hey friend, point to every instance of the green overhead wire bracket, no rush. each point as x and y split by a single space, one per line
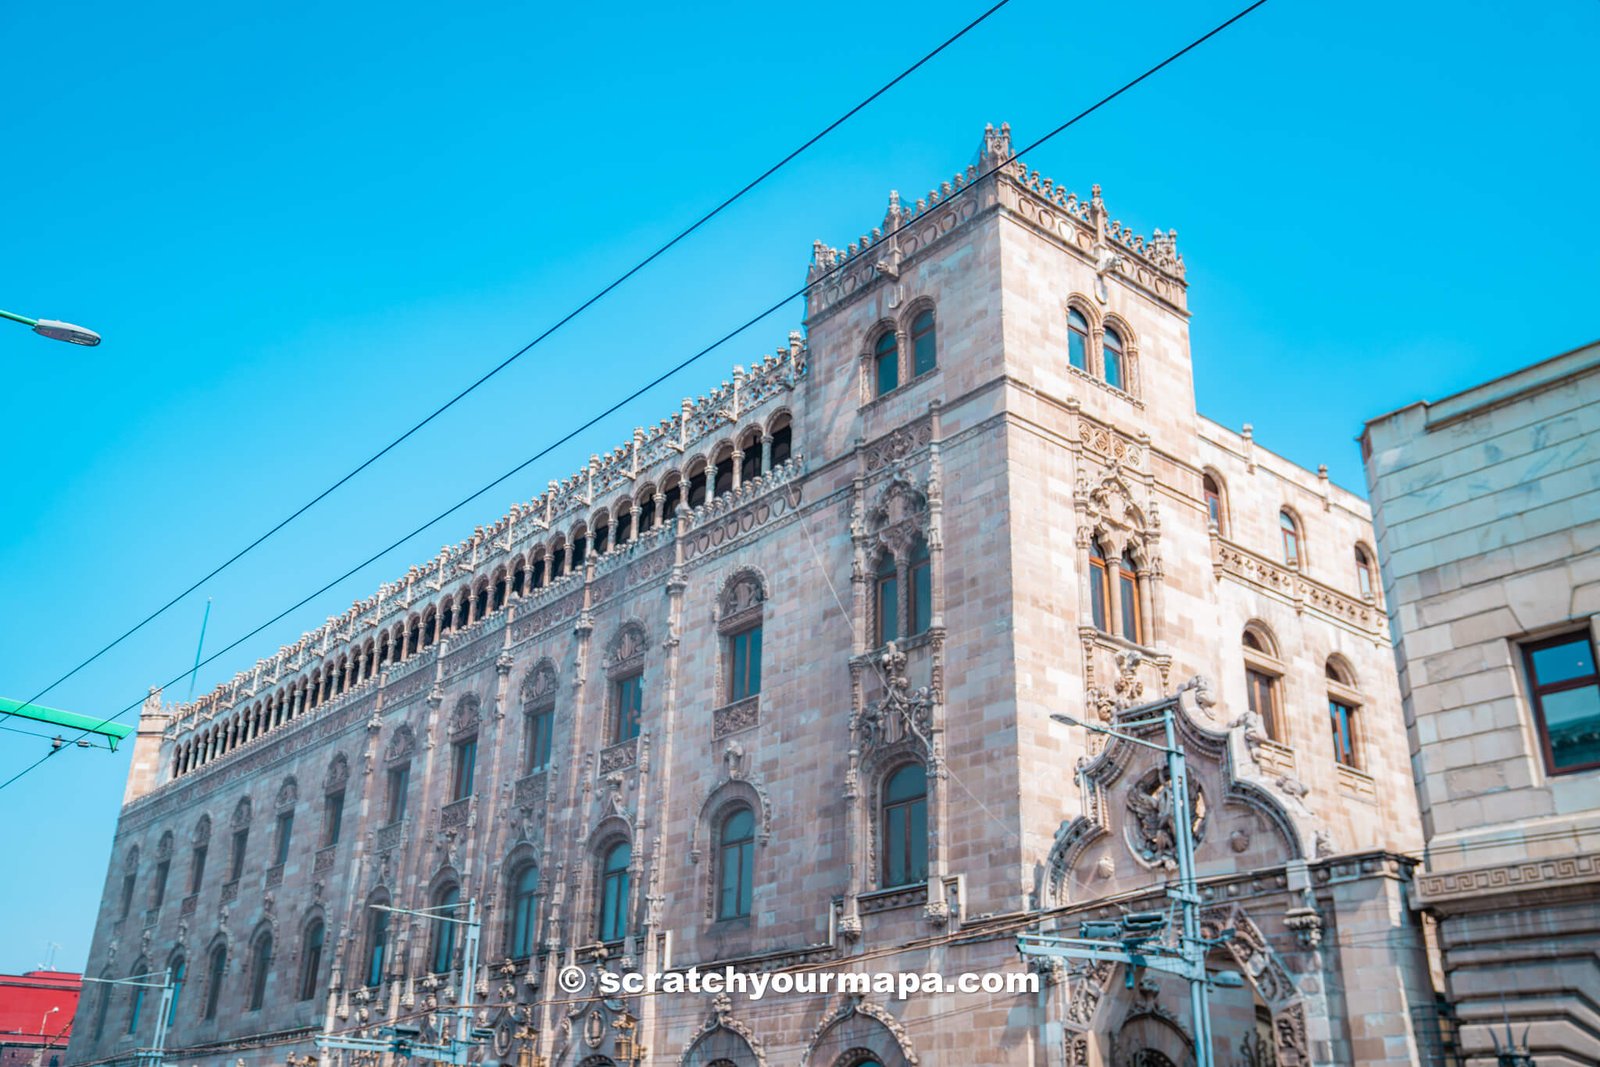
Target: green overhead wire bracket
113 732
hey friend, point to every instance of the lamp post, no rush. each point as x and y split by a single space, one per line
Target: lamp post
56 331
46 1017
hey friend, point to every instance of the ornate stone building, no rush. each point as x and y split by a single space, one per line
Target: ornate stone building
1488 508
770 685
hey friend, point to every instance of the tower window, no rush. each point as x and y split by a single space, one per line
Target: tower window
1291 538
1077 339
923 355
1113 359
886 363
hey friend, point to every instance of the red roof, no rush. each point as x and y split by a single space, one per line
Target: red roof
26 1003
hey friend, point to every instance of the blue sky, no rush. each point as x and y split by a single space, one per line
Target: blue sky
299 226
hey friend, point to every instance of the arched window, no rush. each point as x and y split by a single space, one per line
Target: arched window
1344 705
444 928
1262 674
1077 339
177 969
1113 357
614 892
1291 538
216 969
106 989
782 440
1128 598
524 897
886 363
141 968
1214 512
1099 588
260 967
905 826
886 600
920 575
311 959
923 355
377 945
736 857
1364 580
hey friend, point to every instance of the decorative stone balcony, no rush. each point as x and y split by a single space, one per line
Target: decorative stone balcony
274 875
1358 784
454 816
740 715
620 756
530 789
324 859
1276 760
230 891
190 903
390 836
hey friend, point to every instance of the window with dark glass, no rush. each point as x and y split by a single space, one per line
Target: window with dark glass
1291 538
332 818
216 969
444 928
886 363
241 841
464 764
782 444
923 355
1261 690
260 966
736 857
1113 358
100 1010
624 528
1099 588
1213 502
128 882
627 697
1364 583
1077 339
399 785
887 600
142 967
905 826
670 501
311 960
1342 719
1128 598
163 868
285 830
177 971
614 892
744 663
197 868
724 476
580 551
541 729
377 945
1565 691
920 575
524 897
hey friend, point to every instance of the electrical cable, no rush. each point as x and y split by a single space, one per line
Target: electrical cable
503 364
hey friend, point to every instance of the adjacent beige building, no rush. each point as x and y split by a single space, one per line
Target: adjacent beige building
1488 518
770 685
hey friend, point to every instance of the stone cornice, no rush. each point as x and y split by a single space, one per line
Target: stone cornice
1485 888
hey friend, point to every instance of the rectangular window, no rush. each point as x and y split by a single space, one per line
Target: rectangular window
399 782
332 818
921 596
162 870
1097 595
197 869
888 608
466 761
1128 590
1262 690
1342 718
1565 691
627 697
241 839
128 882
540 729
744 679
285 831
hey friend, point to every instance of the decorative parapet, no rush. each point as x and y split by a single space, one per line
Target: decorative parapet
454 816
736 514
1358 784
230 891
1238 562
275 875
323 862
619 756
694 425
1275 760
529 790
1539 877
731 718
389 837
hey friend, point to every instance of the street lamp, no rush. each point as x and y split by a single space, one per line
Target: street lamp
46 1018
56 331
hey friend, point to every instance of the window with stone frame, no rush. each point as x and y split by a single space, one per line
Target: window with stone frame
885 363
1216 507
627 705
919 589
924 343
539 688
284 837
1344 709
901 564
1366 576
216 971
398 784
1077 340
443 905
736 845
1564 694
1293 541
1114 366
241 844
611 913
332 817
260 970
521 925
377 942
1118 544
1264 672
311 943
740 615
886 600
904 831
623 663
463 766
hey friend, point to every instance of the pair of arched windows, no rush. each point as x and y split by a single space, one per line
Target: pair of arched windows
1111 366
1264 674
915 606
1114 597
886 362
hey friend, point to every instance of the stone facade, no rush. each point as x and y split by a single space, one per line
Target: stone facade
1488 520
986 448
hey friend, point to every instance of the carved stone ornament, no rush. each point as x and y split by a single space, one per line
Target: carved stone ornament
540 684
721 1018
401 745
1152 833
241 814
338 774
464 719
164 846
901 711
202 830
288 793
626 649
899 514
1111 506
740 604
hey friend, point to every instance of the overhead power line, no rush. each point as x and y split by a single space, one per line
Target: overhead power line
519 353
681 365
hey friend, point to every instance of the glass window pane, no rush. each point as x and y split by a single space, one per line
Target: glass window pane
1078 350
917 851
1129 593
1563 662
888 609
888 372
1572 723
921 597
922 344
1097 594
